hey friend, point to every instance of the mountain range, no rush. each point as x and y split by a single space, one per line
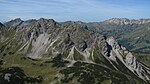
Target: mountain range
46 51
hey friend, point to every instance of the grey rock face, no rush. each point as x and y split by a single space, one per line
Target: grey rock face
126 57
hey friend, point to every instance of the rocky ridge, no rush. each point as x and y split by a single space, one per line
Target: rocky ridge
45 38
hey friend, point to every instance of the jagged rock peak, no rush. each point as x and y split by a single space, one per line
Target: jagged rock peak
16 20
43 20
14 23
47 22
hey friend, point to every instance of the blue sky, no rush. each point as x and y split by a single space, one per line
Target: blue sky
83 10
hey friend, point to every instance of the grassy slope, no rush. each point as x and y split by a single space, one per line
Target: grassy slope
33 68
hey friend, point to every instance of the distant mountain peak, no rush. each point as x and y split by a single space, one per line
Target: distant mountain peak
124 21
